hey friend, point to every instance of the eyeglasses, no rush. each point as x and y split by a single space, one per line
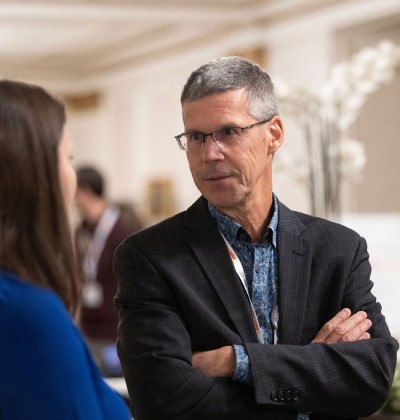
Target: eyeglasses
225 137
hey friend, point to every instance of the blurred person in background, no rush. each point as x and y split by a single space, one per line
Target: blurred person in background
46 370
102 228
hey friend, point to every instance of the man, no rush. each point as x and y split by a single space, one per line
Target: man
102 229
204 296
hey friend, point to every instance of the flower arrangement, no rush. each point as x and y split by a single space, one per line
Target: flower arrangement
324 118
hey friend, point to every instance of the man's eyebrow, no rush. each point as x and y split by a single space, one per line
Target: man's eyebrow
220 127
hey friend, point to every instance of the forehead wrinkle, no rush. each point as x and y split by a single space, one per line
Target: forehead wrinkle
215 112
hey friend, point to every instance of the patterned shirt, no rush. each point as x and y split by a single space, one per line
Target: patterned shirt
260 265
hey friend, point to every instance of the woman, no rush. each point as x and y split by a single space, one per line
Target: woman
46 371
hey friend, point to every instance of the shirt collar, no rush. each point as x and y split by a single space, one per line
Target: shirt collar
229 228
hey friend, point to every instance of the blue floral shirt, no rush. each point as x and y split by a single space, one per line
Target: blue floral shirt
260 265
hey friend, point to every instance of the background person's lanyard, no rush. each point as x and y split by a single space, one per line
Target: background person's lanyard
239 270
92 293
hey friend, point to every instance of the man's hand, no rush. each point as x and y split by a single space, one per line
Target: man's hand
344 327
216 363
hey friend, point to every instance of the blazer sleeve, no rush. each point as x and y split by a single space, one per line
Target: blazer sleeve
155 350
341 380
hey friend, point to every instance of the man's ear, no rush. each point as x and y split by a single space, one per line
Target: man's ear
276 134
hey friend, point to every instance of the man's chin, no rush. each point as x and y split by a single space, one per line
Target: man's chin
221 202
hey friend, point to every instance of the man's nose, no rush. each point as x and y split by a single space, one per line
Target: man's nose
211 149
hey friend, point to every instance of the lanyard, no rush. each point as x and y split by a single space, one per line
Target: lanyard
96 244
239 270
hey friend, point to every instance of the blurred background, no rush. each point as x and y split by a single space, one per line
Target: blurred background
120 66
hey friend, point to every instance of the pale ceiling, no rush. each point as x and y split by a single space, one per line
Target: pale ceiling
80 38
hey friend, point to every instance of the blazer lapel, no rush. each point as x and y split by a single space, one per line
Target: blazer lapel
294 275
210 249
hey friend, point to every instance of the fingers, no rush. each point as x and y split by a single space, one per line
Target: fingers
356 330
330 326
344 327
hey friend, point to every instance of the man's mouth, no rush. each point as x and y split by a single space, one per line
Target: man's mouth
215 177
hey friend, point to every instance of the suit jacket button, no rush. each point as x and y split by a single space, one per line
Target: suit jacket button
295 395
274 396
281 395
288 395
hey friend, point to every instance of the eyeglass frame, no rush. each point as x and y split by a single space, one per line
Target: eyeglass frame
205 135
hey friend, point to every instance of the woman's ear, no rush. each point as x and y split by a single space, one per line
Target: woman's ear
276 134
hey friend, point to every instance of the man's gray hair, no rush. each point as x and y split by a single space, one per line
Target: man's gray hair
231 73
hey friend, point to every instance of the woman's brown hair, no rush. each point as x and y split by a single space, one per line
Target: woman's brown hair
35 236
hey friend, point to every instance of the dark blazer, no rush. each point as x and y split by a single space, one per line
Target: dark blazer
179 293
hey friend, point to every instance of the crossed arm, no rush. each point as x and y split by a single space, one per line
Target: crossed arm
343 327
342 372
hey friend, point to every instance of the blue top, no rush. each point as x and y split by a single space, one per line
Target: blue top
46 371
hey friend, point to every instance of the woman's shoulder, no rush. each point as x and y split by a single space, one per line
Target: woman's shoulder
17 293
44 358
32 309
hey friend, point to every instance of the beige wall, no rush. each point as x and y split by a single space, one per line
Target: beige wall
377 126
